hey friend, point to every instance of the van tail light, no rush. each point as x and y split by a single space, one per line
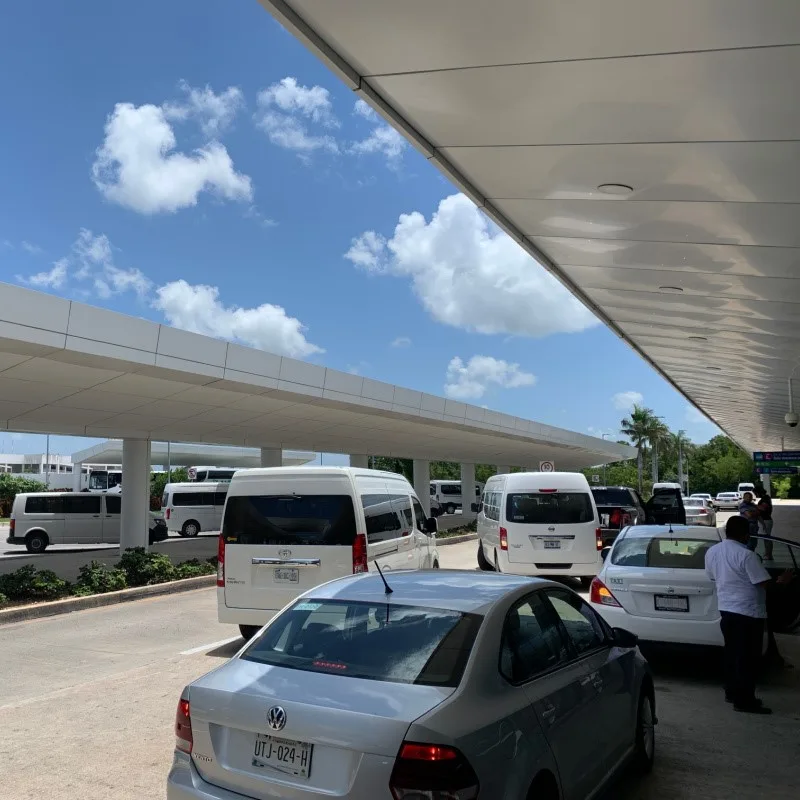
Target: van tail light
503 539
360 554
183 727
12 524
598 532
221 561
599 593
432 772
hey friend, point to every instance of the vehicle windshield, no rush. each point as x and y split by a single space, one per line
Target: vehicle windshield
381 642
563 508
612 497
656 552
326 519
693 501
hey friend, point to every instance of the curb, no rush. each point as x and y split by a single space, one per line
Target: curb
467 537
70 604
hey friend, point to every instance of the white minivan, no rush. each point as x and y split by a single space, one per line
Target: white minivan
288 529
540 523
189 508
448 495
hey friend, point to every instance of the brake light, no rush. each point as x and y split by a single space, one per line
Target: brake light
503 539
598 532
221 561
183 727
600 594
12 524
547 491
432 772
169 511
360 554
703 511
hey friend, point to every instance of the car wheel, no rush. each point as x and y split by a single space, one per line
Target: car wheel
586 581
435 565
645 747
450 509
544 787
36 542
190 528
496 563
483 562
248 631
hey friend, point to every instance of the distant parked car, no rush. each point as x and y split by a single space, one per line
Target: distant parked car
728 500
455 685
704 496
699 511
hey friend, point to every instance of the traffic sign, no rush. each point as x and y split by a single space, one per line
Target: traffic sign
773 470
547 466
783 456
595 479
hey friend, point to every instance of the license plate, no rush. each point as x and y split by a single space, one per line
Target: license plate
552 544
286 575
282 755
671 602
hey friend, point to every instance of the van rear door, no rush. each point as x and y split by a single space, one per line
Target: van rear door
291 534
665 506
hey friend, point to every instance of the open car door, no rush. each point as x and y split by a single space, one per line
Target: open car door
665 506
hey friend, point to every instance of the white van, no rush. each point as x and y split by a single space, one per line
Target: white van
39 519
288 529
189 508
540 523
448 495
746 487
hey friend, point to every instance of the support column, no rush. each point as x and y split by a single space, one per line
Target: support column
271 457
362 462
501 469
135 494
468 496
766 482
77 472
422 484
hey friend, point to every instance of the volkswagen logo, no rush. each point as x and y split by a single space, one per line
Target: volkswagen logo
285 553
670 590
551 528
276 718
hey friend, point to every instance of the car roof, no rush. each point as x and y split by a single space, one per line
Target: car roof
468 591
671 532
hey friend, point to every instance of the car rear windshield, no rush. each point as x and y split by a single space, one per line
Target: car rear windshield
612 497
643 551
311 519
381 642
694 501
562 508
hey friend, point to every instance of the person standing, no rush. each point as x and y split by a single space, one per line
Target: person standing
749 510
741 581
764 507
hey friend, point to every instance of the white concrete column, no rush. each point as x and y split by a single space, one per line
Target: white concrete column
766 482
362 462
501 469
135 493
467 490
271 457
422 484
77 471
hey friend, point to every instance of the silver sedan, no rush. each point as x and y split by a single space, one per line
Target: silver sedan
439 686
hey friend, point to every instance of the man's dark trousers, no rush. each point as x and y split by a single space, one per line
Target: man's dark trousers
743 643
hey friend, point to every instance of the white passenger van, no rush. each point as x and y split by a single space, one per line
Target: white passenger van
39 519
540 523
189 508
746 487
448 495
288 529
205 474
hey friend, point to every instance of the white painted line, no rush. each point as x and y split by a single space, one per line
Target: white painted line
210 646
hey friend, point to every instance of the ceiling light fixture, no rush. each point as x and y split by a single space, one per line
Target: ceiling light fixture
618 189
698 338
670 289
723 387
716 369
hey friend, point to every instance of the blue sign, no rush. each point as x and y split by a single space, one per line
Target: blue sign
778 455
765 470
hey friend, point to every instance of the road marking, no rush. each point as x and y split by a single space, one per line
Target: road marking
211 646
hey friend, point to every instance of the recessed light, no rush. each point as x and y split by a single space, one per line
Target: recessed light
698 338
670 289
716 369
723 387
618 189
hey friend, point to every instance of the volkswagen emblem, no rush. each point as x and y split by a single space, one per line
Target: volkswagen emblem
285 553
670 590
551 528
276 718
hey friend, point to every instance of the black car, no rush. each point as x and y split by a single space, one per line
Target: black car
158 529
618 507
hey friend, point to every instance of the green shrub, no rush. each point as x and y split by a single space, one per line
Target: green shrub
97 578
3 600
28 583
194 568
143 569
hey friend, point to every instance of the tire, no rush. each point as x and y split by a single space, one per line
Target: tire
496 564
544 787
645 746
483 562
190 528
435 565
449 509
586 581
36 542
248 631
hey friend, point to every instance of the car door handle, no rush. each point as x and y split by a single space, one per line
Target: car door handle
587 680
549 714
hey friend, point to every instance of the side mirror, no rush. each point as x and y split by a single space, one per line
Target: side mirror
623 638
431 525
604 553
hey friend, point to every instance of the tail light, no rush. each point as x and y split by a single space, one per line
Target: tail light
167 514
432 772
12 524
703 511
221 561
598 532
183 727
360 554
503 539
600 594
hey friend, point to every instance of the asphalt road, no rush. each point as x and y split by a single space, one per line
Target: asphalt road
87 704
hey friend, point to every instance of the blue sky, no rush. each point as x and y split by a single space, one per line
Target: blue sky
193 164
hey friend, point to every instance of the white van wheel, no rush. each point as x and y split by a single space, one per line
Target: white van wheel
248 631
496 563
190 528
36 542
483 563
449 509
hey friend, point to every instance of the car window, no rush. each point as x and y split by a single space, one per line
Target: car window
661 553
531 642
450 488
193 498
491 504
383 520
113 504
44 505
548 509
82 504
219 498
583 628
612 497
777 555
402 507
419 513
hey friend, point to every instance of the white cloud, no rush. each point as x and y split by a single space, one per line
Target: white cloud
198 309
215 112
94 259
137 168
50 279
625 401
470 275
285 111
383 139
401 341
470 381
33 249
363 109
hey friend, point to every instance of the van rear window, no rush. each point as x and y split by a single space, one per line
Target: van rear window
558 508
319 519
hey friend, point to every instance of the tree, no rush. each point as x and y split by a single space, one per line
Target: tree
11 486
636 428
658 434
682 444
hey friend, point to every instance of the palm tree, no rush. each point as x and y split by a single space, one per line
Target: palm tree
682 443
636 428
657 433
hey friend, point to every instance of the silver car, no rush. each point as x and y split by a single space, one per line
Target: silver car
441 685
699 512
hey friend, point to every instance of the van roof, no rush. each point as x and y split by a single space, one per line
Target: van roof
197 485
316 472
531 481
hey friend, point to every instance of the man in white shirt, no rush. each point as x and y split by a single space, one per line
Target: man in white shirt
741 582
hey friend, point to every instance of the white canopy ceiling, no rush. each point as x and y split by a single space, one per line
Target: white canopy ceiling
530 106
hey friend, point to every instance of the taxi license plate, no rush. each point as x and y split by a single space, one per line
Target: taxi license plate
284 575
671 602
552 544
282 755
